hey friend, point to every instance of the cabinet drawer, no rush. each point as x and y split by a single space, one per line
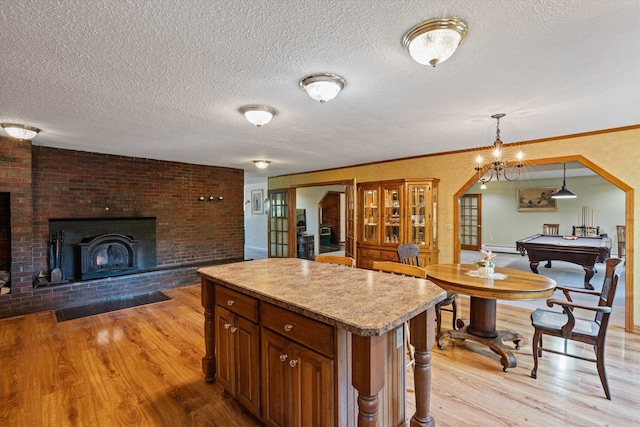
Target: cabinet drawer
389 256
242 305
369 253
308 332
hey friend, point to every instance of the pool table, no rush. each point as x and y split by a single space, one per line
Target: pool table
584 251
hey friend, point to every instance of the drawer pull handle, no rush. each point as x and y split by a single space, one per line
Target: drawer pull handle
227 325
283 357
288 327
230 302
233 329
293 362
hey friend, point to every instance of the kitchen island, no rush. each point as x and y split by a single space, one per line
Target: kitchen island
304 343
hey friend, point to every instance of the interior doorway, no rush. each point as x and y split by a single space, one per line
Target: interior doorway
332 222
326 215
502 217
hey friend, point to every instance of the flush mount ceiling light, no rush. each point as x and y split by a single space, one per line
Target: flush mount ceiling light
258 114
261 164
435 40
20 131
323 87
564 193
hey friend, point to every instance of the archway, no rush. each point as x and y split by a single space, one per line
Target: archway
629 220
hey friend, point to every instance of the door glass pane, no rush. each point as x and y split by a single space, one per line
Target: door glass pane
278 225
391 215
418 215
370 215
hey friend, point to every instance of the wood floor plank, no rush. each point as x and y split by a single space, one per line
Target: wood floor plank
141 367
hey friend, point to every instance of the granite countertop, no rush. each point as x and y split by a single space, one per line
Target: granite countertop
364 302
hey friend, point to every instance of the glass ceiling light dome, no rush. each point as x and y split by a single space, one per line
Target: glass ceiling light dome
259 115
20 131
261 164
435 40
323 87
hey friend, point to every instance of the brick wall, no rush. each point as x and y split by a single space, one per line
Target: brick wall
74 184
15 178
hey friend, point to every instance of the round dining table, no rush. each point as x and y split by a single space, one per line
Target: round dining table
484 291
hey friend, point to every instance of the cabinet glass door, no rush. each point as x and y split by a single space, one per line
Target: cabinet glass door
419 211
370 215
391 215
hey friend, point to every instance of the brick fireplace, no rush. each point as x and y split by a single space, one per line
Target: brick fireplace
47 186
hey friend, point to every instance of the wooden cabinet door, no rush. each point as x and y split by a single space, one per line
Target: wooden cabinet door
391 221
275 371
312 388
225 357
247 363
370 214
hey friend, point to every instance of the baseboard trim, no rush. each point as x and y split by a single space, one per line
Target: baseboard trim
501 249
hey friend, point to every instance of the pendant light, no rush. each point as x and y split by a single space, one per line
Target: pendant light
564 193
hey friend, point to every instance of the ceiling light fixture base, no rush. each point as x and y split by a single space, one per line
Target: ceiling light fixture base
20 131
258 115
261 164
434 41
323 87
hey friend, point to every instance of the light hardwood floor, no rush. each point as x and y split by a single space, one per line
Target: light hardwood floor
141 367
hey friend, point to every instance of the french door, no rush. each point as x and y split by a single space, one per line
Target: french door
282 236
350 244
471 222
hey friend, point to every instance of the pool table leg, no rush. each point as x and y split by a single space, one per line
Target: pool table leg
588 274
534 266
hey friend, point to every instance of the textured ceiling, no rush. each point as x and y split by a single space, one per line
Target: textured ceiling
164 79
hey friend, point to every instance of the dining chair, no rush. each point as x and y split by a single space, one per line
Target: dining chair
335 259
409 253
570 327
550 230
621 231
403 270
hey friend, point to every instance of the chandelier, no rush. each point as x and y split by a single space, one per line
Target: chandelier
498 168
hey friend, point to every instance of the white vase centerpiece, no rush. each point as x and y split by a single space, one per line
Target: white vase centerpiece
486 265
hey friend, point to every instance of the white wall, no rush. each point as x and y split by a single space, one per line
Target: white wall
255 226
502 224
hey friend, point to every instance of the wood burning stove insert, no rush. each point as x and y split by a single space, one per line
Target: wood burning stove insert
91 248
107 255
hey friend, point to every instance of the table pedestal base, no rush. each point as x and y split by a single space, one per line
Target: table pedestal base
496 344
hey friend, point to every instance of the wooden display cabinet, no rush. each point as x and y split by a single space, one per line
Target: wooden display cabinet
396 212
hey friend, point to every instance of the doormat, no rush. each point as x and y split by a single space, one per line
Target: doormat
107 306
330 248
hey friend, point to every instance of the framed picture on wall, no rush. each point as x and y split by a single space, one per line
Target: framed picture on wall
536 199
256 202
